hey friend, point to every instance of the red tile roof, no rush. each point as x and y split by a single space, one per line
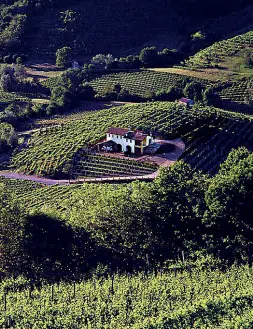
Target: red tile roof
184 100
117 131
138 135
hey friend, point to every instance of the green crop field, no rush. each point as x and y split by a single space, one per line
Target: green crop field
177 299
141 83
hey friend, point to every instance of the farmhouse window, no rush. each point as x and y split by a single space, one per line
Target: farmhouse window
127 140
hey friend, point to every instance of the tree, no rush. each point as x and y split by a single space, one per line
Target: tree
120 219
179 208
248 58
87 92
193 90
229 200
171 94
66 88
167 57
148 56
63 57
11 77
209 97
101 61
8 136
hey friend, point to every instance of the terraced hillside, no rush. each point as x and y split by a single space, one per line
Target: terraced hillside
209 145
51 151
95 165
222 53
209 133
39 198
141 83
236 95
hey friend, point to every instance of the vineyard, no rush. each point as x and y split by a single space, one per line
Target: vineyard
18 188
220 51
167 299
209 145
51 151
237 92
140 83
94 165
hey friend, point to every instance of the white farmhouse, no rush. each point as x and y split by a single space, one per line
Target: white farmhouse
129 141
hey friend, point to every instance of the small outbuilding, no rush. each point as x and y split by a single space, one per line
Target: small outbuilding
186 101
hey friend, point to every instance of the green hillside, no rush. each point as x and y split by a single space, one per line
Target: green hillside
95 238
141 83
51 151
38 28
227 54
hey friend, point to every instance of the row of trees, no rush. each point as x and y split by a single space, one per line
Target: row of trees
148 57
180 211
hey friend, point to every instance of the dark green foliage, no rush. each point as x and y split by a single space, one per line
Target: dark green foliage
11 77
63 57
12 237
149 56
8 137
193 90
248 58
70 88
171 94
179 204
229 202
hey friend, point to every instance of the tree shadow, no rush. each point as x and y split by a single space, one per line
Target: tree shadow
57 251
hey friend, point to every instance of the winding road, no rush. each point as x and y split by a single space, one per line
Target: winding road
164 160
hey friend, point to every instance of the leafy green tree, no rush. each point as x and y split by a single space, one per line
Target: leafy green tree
10 37
229 207
101 61
149 56
120 219
8 136
248 58
193 90
171 94
179 203
87 92
209 97
11 77
63 57
70 88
